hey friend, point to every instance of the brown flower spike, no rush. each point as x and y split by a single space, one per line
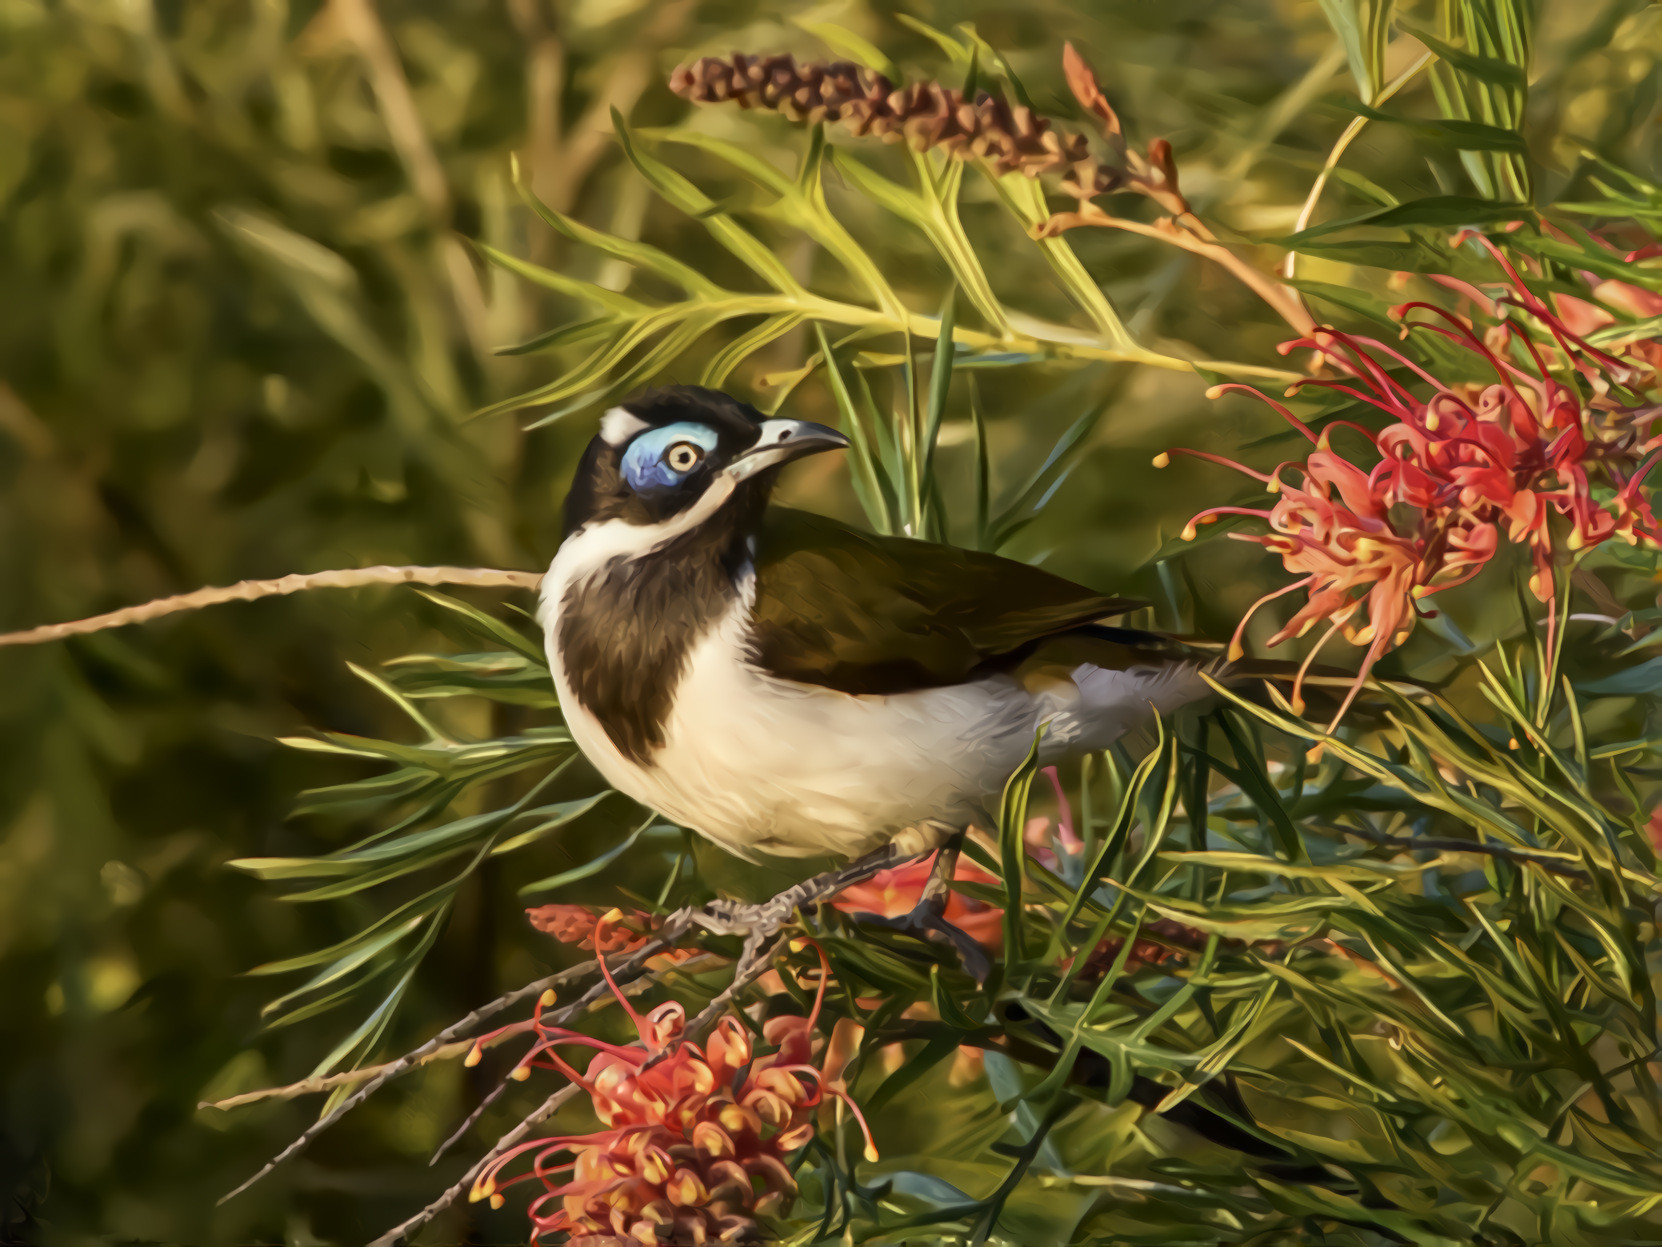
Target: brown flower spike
927 115
1011 138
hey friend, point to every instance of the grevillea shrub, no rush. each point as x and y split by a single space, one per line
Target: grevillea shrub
695 1137
1550 455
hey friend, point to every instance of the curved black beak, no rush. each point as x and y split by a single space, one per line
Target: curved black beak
781 441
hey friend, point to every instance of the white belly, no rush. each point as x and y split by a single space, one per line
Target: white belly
761 764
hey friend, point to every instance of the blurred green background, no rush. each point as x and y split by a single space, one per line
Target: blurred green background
241 334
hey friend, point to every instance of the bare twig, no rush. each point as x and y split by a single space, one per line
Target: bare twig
755 922
545 1110
495 1093
347 1078
627 967
312 1086
752 964
250 590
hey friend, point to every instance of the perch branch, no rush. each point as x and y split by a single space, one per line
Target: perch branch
541 1113
625 988
250 590
757 923
312 1086
1550 863
626 967
347 1078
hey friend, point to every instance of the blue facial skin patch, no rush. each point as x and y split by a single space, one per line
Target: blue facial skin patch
643 463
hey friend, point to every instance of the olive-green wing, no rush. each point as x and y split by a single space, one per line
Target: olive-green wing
867 614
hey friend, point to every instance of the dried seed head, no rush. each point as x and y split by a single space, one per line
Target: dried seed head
1013 139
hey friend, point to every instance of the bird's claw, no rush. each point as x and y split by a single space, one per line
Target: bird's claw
926 919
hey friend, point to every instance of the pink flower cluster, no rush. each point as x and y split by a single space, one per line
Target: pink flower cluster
1550 455
694 1139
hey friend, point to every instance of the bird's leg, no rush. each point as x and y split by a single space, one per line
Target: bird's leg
759 921
928 916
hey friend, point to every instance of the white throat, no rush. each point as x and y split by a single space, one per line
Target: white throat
594 547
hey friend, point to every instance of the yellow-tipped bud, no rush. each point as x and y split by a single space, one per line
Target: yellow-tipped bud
547 999
612 915
498 1200
1237 651
1512 742
798 944
1214 391
1162 460
474 1054
1419 591
1189 532
1432 420
520 1073
1297 703
871 1153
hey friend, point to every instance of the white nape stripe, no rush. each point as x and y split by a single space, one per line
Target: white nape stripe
619 425
594 546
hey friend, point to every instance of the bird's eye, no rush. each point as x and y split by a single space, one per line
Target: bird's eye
684 456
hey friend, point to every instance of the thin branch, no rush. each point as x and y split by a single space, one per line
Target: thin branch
753 963
1193 236
312 1086
625 988
250 590
1446 844
626 967
347 1078
756 922
543 1112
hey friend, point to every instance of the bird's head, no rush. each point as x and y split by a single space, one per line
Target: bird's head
674 457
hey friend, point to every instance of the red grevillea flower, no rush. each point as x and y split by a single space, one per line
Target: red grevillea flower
695 1137
581 925
1552 453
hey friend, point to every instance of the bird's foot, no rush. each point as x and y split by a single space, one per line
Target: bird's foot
928 917
924 920
766 918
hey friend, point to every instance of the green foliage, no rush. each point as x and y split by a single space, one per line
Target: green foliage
1442 998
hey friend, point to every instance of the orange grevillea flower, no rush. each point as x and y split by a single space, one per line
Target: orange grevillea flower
581 925
695 1136
1550 455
